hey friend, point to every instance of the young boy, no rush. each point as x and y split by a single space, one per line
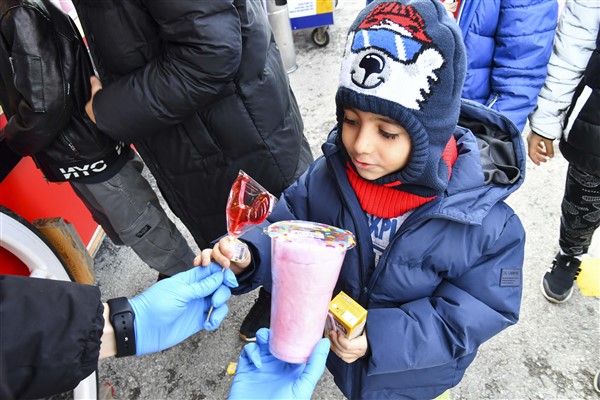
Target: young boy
439 254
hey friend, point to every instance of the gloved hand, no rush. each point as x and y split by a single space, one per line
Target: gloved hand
260 375
173 309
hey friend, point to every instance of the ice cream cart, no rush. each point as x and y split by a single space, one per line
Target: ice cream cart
317 14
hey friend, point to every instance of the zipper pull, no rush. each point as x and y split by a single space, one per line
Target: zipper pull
12 66
493 101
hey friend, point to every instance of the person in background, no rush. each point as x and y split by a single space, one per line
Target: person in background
508 45
568 110
44 86
439 254
200 89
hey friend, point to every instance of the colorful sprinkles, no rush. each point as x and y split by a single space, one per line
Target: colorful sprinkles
295 230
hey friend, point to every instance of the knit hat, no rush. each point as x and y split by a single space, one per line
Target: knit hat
406 60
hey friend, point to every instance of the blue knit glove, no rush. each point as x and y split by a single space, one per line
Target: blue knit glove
173 309
260 375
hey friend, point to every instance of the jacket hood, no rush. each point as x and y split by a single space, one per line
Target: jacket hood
490 164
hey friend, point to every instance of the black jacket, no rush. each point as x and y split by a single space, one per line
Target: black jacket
49 335
44 84
200 89
582 146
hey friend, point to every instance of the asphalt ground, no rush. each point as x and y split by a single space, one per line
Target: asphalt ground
552 353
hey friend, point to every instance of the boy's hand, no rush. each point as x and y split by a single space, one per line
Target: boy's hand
221 254
539 148
346 349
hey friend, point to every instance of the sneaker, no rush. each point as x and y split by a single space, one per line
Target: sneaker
597 382
557 283
258 317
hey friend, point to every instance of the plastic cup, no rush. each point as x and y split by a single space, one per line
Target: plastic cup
306 259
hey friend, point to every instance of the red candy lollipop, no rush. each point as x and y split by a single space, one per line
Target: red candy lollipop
248 205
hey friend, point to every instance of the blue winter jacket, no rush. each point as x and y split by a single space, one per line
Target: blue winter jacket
508 44
450 279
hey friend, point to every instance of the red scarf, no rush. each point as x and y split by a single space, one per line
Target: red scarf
386 202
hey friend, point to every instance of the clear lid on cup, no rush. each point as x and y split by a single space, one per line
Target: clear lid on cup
306 231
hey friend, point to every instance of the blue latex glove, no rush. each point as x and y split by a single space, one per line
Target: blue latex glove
260 375
173 309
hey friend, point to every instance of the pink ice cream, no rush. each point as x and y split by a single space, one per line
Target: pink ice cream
305 268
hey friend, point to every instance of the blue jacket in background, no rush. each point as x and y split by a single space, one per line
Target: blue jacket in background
451 277
508 44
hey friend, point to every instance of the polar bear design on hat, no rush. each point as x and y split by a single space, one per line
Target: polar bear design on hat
390 55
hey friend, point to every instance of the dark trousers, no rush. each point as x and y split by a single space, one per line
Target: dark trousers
129 211
580 211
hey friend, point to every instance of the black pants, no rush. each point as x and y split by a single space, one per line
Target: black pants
580 211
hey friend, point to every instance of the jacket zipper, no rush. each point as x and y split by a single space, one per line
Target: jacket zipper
364 291
70 145
493 101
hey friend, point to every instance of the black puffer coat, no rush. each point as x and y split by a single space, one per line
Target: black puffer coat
582 146
44 85
200 89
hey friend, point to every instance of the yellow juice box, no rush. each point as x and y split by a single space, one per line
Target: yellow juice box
345 315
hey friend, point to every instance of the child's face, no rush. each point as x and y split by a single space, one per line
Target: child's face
377 145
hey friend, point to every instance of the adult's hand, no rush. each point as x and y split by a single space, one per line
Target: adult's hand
260 375
539 148
175 308
89 106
